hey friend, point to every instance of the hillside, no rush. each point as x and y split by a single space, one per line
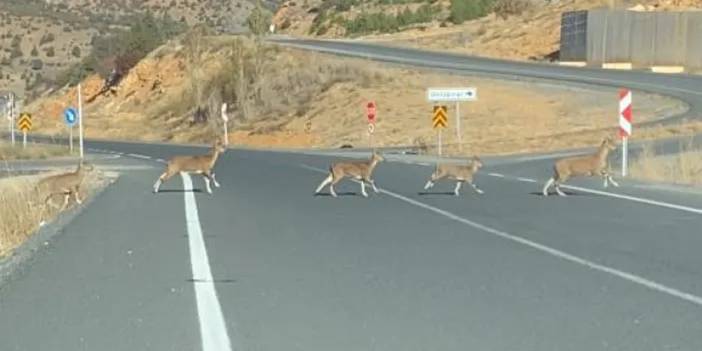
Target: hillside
509 29
176 92
41 39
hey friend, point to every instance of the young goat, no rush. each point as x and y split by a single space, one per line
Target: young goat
589 165
199 164
361 170
65 184
459 172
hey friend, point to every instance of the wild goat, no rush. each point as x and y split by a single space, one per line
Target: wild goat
65 184
360 170
461 173
589 165
198 164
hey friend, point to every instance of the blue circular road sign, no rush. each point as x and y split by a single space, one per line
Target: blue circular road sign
70 116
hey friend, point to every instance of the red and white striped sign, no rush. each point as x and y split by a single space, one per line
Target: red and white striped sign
625 113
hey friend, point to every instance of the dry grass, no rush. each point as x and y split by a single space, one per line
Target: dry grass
21 210
32 152
682 168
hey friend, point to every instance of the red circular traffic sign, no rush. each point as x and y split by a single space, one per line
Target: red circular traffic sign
370 107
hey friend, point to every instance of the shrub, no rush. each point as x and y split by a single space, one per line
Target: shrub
34 52
76 52
46 38
465 10
506 8
37 64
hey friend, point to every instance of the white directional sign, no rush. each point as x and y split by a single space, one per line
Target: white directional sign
452 94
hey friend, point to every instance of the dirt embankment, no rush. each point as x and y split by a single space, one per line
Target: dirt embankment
22 206
283 101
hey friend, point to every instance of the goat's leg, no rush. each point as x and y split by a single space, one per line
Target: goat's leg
611 180
207 183
475 187
372 183
66 196
548 184
326 181
458 187
331 186
214 180
558 189
363 189
76 195
163 178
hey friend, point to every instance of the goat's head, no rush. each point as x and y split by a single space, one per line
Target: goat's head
219 146
476 162
609 143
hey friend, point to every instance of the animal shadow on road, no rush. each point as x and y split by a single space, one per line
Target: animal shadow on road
180 191
348 193
554 194
442 193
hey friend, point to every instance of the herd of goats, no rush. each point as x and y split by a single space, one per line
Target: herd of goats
596 164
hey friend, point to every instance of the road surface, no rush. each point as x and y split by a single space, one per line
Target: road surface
262 264
684 87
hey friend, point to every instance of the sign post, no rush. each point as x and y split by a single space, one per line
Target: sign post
453 95
225 119
439 121
371 114
70 116
11 117
80 121
25 125
625 128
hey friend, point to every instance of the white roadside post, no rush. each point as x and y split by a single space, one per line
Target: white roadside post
11 117
80 121
225 119
456 95
371 112
625 127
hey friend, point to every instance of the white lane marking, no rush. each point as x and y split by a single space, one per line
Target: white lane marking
496 175
161 160
213 330
528 180
424 164
636 199
139 156
547 249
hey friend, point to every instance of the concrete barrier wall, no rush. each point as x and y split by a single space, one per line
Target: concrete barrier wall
643 38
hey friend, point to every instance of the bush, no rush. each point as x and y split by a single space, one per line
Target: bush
384 23
50 52
34 52
37 64
76 52
465 10
47 38
506 8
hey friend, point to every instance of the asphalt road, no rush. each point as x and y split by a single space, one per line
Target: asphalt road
685 87
282 269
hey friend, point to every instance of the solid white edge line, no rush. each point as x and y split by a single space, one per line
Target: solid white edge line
547 249
213 330
636 199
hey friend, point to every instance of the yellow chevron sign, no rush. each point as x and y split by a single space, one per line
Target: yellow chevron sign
25 122
440 120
